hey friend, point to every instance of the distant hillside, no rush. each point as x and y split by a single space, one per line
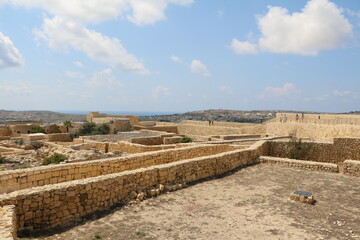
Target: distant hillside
215 115
45 116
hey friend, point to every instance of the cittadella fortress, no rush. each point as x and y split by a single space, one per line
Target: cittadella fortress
137 161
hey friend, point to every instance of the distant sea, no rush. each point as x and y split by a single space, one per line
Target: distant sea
119 112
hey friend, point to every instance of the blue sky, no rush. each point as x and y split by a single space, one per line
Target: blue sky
180 55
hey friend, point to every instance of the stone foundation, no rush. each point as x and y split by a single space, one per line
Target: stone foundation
351 167
61 204
39 176
308 165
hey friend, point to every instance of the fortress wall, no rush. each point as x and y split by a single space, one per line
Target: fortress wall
61 204
40 176
218 124
7 222
313 131
336 152
215 130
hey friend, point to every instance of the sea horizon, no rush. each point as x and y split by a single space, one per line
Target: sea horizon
136 113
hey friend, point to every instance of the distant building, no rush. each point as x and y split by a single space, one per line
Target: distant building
116 122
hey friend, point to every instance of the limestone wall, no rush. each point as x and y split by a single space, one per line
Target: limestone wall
157 140
218 124
5 131
61 204
40 176
7 222
312 130
351 167
204 130
308 165
164 128
336 152
123 146
59 137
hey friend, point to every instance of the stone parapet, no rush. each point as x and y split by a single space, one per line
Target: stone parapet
308 165
351 167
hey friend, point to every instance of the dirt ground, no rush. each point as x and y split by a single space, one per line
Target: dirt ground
252 203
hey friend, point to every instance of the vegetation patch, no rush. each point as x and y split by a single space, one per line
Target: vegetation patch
37 129
89 129
298 149
185 140
54 159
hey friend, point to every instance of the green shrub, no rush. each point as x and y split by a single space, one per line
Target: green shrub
2 159
37 129
54 159
185 140
298 149
92 129
19 141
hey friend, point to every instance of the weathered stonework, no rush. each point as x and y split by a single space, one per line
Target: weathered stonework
336 152
351 167
61 204
40 176
7 222
308 165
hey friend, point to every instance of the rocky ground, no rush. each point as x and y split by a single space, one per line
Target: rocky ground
252 203
32 158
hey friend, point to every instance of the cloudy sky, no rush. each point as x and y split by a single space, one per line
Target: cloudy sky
180 55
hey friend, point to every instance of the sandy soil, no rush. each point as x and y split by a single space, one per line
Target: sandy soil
252 203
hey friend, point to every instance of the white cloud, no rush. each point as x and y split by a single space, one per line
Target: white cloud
9 54
243 47
159 90
15 88
282 91
104 78
138 11
226 89
61 33
176 59
341 93
319 26
74 74
200 68
79 64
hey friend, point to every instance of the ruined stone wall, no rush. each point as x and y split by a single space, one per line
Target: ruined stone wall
123 146
307 165
59 137
62 204
312 130
217 124
5 131
351 167
7 222
164 128
157 140
336 152
39 176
